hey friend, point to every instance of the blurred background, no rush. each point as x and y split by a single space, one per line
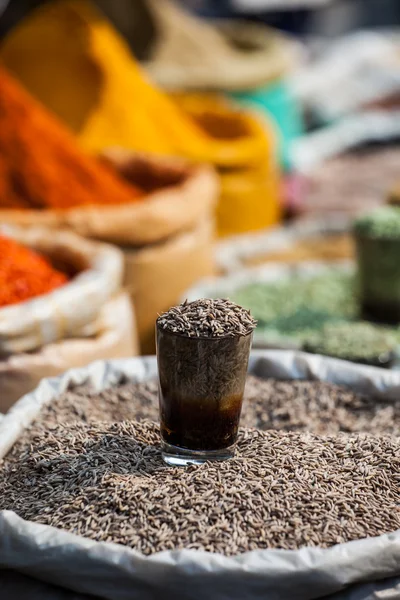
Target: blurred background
246 141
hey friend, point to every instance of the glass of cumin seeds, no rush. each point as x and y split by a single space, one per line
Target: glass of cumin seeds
203 350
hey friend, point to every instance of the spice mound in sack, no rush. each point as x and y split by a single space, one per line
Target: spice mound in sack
129 401
282 490
297 305
318 407
359 342
24 274
297 308
41 165
207 318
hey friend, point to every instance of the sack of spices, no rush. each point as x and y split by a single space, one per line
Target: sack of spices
307 509
169 246
99 91
177 196
111 335
247 162
191 54
60 306
124 198
347 167
309 305
31 320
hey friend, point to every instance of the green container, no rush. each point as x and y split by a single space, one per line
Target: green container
276 101
358 342
379 278
377 236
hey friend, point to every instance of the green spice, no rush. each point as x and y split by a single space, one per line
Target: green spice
298 306
358 341
301 311
383 223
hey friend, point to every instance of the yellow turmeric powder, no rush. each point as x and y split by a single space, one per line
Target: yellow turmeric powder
70 57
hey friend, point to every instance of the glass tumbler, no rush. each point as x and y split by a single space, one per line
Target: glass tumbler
201 386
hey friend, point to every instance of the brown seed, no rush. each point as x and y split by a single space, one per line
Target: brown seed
212 506
106 480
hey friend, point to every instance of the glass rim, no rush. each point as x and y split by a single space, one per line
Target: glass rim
202 337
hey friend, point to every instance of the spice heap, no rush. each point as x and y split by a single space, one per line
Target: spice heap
79 66
208 318
129 401
317 407
41 165
24 274
76 63
360 342
299 310
284 490
299 306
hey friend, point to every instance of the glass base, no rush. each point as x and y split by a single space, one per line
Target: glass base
182 457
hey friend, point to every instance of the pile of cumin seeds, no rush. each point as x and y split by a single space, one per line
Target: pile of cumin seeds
121 402
207 317
282 490
319 407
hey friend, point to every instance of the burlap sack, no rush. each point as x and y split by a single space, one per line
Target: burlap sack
190 54
116 338
178 195
71 310
366 569
156 276
246 157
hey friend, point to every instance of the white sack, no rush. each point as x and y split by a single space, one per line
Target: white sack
116 337
115 572
69 311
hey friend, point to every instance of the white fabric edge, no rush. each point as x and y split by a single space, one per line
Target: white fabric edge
27 325
100 567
